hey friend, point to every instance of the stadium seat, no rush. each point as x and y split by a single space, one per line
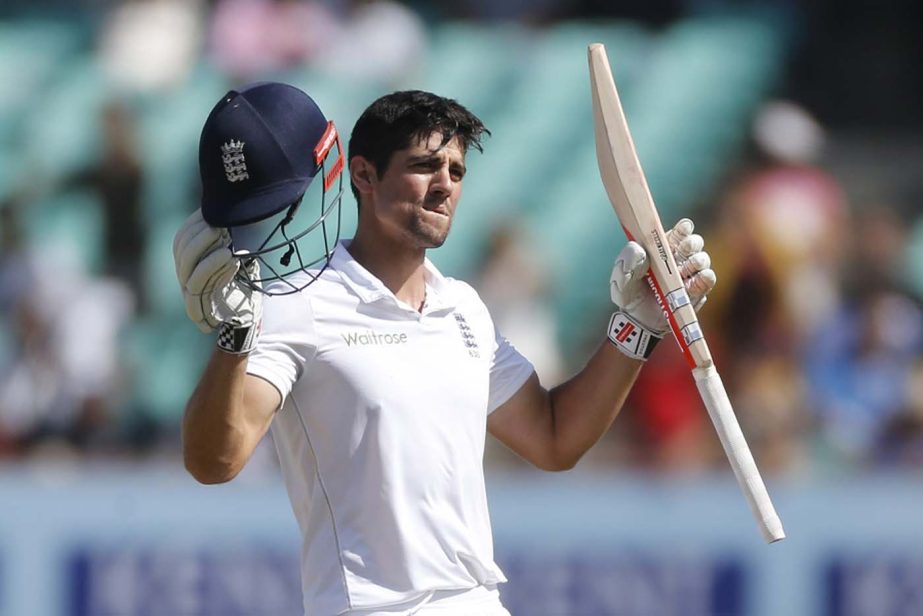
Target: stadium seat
71 223
31 53
166 356
61 128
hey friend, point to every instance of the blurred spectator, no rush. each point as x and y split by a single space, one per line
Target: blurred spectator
381 40
769 394
118 178
249 39
792 216
912 259
151 45
782 231
878 246
901 440
60 380
15 265
664 413
860 365
513 286
862 361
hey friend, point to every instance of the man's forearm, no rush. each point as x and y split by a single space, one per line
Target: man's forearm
213 434
585 406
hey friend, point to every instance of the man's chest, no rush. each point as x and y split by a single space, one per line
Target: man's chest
421 369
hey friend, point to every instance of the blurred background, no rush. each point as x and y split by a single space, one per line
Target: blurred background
790 132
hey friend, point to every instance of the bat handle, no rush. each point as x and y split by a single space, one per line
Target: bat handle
711 389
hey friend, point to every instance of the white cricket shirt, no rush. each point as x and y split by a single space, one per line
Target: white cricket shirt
381 433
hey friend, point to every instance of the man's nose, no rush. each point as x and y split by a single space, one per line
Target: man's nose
442 181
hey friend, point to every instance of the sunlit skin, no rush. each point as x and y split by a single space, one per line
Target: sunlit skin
406 209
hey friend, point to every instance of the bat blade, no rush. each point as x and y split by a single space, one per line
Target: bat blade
622 175
631 199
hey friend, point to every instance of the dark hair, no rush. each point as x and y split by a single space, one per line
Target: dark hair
396 120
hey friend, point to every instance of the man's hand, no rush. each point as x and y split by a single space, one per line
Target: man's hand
639 322
214 295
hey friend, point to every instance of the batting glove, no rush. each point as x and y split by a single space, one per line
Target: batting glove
640 323
214 294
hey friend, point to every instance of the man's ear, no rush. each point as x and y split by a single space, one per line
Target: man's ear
362 174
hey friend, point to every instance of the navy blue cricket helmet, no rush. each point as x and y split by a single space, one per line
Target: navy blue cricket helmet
262 146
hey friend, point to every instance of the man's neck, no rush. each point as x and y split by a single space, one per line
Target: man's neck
401 270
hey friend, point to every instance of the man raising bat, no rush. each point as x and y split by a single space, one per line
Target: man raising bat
378 376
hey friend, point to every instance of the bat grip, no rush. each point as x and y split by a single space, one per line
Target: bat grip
711 389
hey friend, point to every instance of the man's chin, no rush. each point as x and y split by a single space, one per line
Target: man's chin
432 241
431 238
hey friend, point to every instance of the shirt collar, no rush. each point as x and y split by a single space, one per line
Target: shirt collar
368 288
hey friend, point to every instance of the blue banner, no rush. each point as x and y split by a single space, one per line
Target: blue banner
639 585
165 546
875 585
151 581
158 581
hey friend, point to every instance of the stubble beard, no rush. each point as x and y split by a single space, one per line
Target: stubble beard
427 235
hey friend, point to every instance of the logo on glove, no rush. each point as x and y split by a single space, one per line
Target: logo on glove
624 331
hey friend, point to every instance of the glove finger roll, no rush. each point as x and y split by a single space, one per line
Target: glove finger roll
695 264
216 263
681 230
688 247
700 285
190 227
195 250
195 313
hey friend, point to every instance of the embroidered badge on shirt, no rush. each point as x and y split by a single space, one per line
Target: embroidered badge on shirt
235 165
468 338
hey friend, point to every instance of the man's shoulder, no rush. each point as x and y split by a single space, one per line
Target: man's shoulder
461 289
466 296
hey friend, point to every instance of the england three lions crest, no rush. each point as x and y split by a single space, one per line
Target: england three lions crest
235 165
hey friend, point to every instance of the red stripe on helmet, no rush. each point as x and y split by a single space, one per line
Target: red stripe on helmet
334 172
326 142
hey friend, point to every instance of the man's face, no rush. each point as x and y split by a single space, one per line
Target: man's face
416 195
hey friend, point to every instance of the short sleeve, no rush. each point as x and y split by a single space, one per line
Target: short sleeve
509 370
287 342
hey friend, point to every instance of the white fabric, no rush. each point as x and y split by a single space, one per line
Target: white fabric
381 433
477 601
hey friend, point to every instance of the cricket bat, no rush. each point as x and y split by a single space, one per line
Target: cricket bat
627 188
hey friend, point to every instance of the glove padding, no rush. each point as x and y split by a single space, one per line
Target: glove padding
632 293
207 273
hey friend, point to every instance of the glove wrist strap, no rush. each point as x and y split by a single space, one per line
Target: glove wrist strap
632 338
236 339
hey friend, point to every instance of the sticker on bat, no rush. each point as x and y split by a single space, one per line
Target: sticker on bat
692 333
677 299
